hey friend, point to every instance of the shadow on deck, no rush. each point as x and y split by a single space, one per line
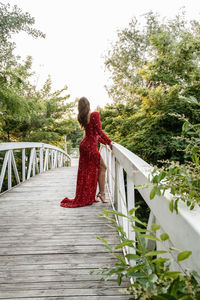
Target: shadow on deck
46 251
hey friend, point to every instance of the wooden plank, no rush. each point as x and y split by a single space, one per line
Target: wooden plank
46 251
59 284
75 298
56 249
63 292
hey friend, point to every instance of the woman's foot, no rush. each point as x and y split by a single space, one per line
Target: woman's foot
102 197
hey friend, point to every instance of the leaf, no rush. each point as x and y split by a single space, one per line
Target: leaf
176 205
137 220
183 255
171 205
132 256
185 127
155 227
195 274
173 190
160 260
158 192
164 297
161 176
153 193
131 211
164 236
114 212
150 237
172 274
138 229
153 278
156 252
119 279
127 243
155 179
105 244
120 258
131 270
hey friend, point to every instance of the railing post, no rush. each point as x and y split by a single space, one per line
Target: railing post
130 204
3 169
23 165
41 159
34 158
15 167
9 171
31 161
56 158
46 159
121 196
52 158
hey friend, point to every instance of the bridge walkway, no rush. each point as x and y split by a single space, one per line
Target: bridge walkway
46 251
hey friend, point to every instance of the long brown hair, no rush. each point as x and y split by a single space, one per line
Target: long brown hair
83 111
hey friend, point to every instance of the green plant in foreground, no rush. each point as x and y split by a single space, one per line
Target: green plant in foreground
149 270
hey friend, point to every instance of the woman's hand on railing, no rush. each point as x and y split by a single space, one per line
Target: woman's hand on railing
110 145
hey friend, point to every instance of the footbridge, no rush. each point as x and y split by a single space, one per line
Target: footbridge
46 251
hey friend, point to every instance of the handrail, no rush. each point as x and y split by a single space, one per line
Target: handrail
42 157
183 228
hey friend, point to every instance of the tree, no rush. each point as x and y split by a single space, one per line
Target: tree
13 20
156 72
155 55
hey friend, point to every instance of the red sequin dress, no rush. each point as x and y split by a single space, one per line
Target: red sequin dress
89 163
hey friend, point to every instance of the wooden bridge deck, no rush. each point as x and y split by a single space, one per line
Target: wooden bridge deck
46 251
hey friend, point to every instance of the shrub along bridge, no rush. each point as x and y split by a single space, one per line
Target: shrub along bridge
46 251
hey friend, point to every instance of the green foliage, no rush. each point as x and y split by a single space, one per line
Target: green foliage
12 21
27 114
155 72
182 180
148 269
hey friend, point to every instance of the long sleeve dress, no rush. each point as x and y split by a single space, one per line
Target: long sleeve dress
89 163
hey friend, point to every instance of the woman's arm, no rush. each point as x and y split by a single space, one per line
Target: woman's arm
97 125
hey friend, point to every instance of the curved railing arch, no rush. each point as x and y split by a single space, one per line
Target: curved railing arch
42 157
183 228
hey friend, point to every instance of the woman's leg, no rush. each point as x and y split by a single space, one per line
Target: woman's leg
101 179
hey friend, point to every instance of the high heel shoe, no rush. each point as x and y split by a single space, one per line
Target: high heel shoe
102 197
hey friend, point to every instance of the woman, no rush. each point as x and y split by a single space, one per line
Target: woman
91 165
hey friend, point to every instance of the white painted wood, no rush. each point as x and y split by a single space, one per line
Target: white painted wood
55 160
33 161
109 172
179 226
15 167
113 176
9 171
130 205
30 163
62 160
122 198
23 165
46 159
52 158
41 160
36 163
33 164
151 245
12 146
3 170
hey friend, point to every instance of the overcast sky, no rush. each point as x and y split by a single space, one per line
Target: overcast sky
78 35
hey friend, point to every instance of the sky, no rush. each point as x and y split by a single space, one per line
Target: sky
79 34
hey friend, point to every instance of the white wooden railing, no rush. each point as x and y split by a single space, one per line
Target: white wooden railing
42 158
183 228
